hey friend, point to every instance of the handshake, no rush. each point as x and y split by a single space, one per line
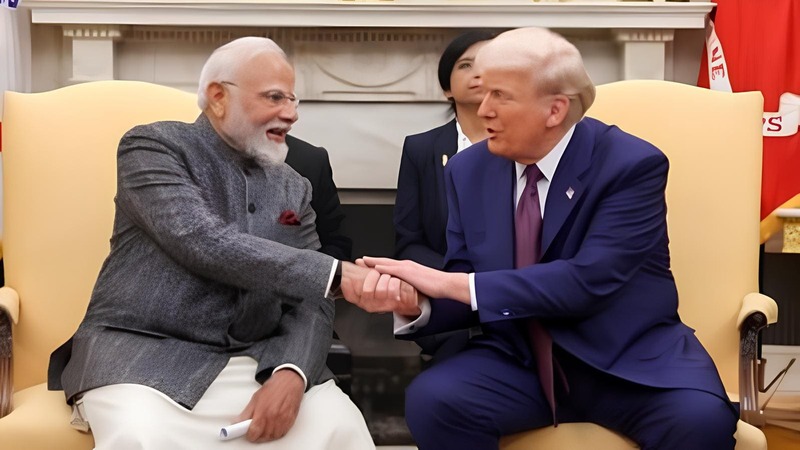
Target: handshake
388 285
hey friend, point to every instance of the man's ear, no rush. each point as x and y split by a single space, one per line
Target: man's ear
559 108
217 99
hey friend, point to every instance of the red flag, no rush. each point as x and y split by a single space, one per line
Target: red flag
761 43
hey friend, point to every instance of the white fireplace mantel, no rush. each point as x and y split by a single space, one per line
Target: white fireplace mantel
643 30
371 61
376 13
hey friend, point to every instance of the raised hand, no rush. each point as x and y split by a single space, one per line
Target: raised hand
431 282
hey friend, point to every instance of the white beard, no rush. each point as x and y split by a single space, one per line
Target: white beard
264 151
253 141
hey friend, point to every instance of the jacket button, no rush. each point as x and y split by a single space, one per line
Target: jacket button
506 312
251 207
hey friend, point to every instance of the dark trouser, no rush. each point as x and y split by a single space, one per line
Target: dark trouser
439 347
472 399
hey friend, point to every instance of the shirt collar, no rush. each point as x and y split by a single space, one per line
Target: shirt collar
463 140
549 163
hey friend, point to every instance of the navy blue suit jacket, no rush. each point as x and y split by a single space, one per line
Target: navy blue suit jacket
420 211
603 288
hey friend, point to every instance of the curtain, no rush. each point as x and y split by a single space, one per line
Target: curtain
15 60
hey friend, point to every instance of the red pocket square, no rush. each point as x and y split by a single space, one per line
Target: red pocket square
289 217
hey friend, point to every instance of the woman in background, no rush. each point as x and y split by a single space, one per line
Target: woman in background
420 213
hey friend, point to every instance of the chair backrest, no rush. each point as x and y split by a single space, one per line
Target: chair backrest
59 181
713 142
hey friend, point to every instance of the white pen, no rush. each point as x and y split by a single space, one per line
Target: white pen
234 431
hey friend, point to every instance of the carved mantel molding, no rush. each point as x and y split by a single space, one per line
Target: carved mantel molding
642 29
376 13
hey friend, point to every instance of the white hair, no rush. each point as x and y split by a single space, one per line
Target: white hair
225 62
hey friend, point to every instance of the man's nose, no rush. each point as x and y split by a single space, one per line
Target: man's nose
289 112
485 109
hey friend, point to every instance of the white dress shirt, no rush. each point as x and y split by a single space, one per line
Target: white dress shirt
463 140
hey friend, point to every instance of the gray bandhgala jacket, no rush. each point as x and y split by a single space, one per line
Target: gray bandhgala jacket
201 268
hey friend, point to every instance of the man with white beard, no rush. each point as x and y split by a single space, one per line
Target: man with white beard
214 305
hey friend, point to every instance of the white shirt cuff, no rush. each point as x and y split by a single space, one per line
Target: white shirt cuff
473 299
404 325
330 278
291 366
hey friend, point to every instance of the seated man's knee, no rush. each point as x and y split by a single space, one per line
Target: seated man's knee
129 417
350 431
431 396
701 421
335 420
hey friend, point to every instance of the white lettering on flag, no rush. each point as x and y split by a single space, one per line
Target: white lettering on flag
773 124
717 68
786 120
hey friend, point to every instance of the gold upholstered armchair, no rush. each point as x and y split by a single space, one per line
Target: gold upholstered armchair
713 141
59 180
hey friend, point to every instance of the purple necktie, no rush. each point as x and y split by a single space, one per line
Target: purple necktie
528 238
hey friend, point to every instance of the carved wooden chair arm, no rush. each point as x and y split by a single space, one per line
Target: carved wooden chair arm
758 311
9 313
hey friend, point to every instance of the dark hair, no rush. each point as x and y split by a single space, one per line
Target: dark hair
455 50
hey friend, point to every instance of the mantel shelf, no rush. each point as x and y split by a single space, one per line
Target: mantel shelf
353 13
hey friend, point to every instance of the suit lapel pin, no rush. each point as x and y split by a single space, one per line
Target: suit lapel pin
570 192
444 160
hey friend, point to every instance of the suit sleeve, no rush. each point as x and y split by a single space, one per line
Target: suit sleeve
330 214
156 191
624 236
447 314
410 242
303 338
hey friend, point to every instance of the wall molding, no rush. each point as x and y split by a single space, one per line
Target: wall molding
397 13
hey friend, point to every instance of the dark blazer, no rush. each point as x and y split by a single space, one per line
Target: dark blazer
420 209
201 269
312 163
603 288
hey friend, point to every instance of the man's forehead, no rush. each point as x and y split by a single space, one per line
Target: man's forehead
267 69
265 63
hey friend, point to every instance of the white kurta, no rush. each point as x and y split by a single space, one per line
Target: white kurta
130 416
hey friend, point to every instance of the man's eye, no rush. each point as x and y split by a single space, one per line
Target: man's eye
277 98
